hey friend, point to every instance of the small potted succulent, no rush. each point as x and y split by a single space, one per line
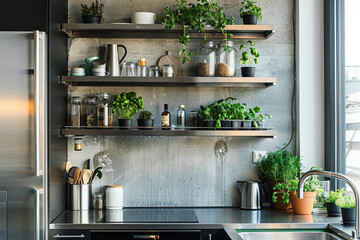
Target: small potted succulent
249 12
347 205
145 120
127 105
249 54
93 13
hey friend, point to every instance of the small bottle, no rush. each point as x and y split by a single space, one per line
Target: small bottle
181 117
166 118
141 68
75 111
103 105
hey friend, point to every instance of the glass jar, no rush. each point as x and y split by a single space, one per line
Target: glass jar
207 59
90 111
98 201
194 119
141 68
75 111
181 117
154 71
102 109
226 59
167 71
78 144
128 69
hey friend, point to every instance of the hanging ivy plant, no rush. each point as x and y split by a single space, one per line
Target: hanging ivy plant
195 17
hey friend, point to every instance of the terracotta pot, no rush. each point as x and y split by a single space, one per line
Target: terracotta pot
304 205
277 204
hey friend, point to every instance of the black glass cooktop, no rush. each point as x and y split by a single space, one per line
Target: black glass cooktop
148 215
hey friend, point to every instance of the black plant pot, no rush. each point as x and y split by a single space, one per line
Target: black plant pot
145 124
124 123
236 124
250 19
333 210
247 71
348 215
91 19
209 123
259 123
226 124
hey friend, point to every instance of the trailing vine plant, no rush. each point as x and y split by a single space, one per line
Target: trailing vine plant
196 16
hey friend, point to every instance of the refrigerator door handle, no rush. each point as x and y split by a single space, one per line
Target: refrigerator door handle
37 217
37 102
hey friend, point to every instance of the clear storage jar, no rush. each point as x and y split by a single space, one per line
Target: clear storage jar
102 109
90 111
226 59
75 111
207 59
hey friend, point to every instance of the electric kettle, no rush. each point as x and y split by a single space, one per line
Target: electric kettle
112 59
251 194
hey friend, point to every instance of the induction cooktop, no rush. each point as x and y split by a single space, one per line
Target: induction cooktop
148 215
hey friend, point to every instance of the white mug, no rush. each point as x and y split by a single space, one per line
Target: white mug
100 73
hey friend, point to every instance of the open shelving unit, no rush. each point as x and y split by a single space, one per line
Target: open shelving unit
169 81
198 132
129 30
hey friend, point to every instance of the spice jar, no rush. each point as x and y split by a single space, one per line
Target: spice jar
75 111
207 56
154 71
128 69
226 59
167 71
98 201
102 109
78 144
90 111
181 117
141 68
114 197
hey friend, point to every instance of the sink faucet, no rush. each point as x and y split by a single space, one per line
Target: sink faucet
336 176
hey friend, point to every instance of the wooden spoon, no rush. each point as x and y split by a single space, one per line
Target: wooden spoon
87 175
68 166
76 175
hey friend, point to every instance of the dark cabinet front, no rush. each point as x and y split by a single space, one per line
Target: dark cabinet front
146 235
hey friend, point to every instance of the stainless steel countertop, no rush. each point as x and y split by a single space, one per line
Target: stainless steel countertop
211 218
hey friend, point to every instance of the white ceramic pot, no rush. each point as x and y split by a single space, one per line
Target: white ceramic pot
143 18
114 197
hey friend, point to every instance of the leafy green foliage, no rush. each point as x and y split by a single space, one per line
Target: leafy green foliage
145 115
345 202
246 57
127 104
312 184
279 166
252 114
196 16
248 7
96 9
331 197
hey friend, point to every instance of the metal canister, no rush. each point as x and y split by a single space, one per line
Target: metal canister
80 196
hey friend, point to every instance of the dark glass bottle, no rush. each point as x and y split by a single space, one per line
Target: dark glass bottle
166 118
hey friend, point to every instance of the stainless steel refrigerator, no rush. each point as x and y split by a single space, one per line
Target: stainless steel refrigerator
23 136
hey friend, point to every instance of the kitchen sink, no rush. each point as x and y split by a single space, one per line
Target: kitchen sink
286 235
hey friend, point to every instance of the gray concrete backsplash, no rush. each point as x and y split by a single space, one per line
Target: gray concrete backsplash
184 171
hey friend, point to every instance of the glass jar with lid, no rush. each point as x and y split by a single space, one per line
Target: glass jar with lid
75 111
90 111
128 69
141 68
226 59
154 71
207 59
102 109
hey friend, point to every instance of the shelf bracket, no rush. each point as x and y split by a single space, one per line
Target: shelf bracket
68 32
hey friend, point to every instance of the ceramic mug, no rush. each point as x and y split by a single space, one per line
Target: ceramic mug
98 63
79 70
87 68
90 59
100 73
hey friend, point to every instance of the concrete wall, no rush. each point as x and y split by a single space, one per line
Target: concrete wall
184 171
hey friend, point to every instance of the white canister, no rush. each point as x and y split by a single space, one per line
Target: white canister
114 197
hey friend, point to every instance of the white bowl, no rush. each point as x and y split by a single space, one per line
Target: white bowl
143 18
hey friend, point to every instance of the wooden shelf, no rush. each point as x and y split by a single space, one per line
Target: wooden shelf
169 82
129 30
263 132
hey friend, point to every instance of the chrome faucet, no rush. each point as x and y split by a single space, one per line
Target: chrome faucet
336 176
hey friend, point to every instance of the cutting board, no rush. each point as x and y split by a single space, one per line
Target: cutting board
170 59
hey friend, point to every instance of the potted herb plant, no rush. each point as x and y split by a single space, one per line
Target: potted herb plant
288 191
329 198
93 13
237 115
249 54
347 205
279 167
127 105
145 120
196 17
258 119
207 116
249 12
